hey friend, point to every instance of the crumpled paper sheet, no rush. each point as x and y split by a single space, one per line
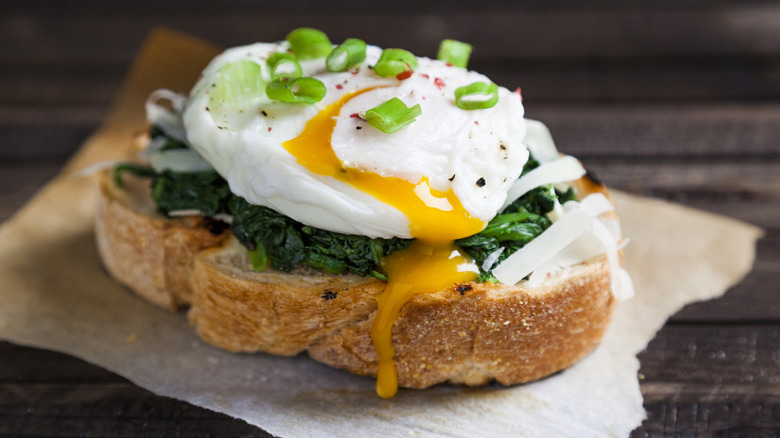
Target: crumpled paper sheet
55 294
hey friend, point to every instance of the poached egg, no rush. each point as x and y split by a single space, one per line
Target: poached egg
324 166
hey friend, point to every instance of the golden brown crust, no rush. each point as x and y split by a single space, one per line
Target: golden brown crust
488 332
145 251
239 309
469 334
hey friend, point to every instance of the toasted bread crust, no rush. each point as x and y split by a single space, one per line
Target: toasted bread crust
146 251
468 334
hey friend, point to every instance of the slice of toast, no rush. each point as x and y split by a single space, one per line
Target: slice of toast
144 250
467 333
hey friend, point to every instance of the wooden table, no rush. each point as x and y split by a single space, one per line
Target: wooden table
676 100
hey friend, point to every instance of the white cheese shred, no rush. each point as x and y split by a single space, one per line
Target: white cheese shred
537 252
178 160
491 259
184 213
539 141
168 119
563 169
576 236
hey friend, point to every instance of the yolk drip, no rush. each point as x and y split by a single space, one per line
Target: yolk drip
436 219
419 268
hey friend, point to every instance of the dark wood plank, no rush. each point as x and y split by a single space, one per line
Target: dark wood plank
715 354
638 52
493 28
701 410
117 410
712 380
660 131
19 183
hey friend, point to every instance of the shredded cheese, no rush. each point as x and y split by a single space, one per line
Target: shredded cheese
539 141
575 236
170 121
563 169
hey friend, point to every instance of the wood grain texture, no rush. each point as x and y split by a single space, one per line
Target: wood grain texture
678 100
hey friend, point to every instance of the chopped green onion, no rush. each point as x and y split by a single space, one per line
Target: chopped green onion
284 65
395 62
240 84
479 95
454 52
239 88
258 257
300 90
392 115
352 51
308 43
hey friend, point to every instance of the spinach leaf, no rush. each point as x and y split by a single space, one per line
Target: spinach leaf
286 243
275 234
204 191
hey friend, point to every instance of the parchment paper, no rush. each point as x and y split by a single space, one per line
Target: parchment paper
55 294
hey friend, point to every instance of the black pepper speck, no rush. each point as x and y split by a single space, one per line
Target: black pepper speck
481 182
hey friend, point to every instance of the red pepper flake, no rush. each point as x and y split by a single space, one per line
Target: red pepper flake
406 74
355 115
449 64
476 122
548 275
519 91
339 87
425 75
269 129
439 83
355 71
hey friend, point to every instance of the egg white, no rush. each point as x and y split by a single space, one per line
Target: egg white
478 153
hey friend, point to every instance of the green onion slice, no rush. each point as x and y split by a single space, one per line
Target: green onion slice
454 52
395 62
352 51
479 95
300 90
392 115
238 89
308 43
258 257
241 83
284 65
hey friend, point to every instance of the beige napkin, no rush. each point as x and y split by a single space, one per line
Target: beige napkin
55 294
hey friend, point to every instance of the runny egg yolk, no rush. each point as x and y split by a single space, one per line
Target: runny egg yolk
431 263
